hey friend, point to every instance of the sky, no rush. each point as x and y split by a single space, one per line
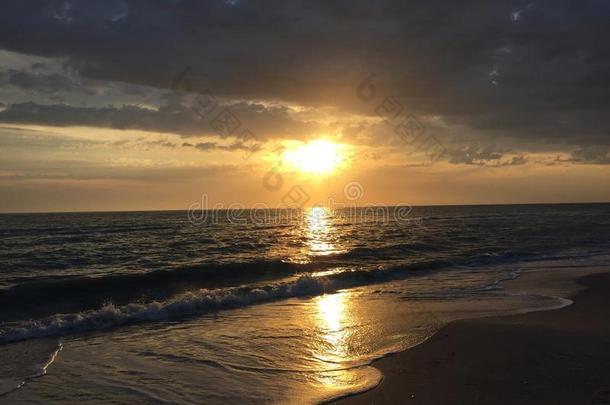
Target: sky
166 104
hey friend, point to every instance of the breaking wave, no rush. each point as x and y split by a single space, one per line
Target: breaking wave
195 302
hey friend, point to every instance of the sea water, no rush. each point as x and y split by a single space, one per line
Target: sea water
149 307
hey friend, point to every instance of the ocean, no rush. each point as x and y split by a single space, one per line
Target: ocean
262 306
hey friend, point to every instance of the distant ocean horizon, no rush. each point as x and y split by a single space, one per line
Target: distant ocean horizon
254 307
283 206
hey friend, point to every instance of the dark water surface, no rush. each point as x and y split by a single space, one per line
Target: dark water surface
273 304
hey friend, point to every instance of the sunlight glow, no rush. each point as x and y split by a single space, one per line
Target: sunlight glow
331 308
319 232
316 157
332 350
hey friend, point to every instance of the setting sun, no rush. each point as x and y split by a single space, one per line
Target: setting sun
316 157
233 201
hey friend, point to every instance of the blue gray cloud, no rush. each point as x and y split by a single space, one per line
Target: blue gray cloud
521 69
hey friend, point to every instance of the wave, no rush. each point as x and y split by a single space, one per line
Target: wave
189 303
78 293
203 301
195 302
69 294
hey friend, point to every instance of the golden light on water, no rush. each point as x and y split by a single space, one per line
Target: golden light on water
318 220
320 232
332 349
319 157
336 321
331 310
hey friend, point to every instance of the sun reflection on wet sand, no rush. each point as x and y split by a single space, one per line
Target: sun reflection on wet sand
331 313
331 350
340 370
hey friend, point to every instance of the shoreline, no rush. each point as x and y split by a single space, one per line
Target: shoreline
557 356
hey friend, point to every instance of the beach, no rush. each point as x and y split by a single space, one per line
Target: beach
304 202
549 357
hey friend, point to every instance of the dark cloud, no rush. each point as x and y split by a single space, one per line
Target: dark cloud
513 68
182 119
33 140
591 155
43 83
38 66
86 170
487 156
474 155
206 146
160 143
518 161
212 146
167 119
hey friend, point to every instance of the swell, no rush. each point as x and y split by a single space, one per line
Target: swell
48 296
195 302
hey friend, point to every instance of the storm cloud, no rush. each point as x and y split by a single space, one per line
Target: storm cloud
520 69
186 120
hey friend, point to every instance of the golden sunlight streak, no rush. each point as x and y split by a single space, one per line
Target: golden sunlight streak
332 317
319 232
331 313
319 235
330 309
319 157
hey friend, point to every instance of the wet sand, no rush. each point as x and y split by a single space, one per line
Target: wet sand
550 357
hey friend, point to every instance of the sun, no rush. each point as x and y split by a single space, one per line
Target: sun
320 157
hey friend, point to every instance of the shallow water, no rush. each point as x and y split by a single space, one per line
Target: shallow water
256 313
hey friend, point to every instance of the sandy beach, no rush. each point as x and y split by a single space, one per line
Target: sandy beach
549 357
304 202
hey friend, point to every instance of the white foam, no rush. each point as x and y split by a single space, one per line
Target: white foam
8 385
192 302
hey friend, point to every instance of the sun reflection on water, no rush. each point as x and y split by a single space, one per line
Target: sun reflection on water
320 232
331 310
331 349
340 368
317 234
336 364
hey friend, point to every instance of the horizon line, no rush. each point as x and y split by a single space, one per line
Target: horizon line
270 208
